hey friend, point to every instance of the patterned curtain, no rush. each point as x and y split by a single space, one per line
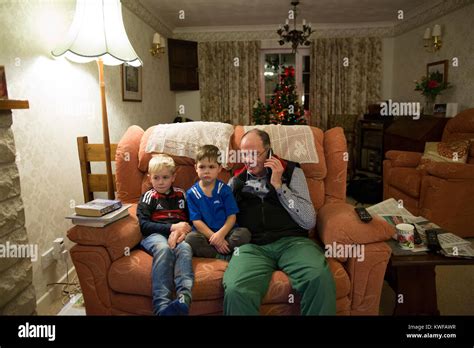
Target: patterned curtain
340 85
228 80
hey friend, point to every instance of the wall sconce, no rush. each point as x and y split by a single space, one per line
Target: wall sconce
158 46
432 40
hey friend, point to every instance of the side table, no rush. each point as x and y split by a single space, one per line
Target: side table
413 276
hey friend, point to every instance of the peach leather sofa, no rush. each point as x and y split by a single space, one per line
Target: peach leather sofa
441 192
115 275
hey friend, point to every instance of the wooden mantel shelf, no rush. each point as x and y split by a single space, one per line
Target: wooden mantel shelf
10 104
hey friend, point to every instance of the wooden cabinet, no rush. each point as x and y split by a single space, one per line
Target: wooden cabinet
371 144
183 65
406 134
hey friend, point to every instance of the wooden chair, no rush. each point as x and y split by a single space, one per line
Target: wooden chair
93 153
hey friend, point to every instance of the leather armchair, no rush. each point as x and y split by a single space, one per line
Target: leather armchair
441 192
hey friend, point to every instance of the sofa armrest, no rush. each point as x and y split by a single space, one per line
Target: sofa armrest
450 170
116 237
92 264
404 158
367 278
339 223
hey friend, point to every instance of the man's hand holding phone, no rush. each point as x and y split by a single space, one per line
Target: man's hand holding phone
277 169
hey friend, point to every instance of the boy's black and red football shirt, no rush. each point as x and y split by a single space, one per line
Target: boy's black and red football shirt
158 211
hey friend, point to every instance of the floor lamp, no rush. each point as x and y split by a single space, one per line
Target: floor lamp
97 34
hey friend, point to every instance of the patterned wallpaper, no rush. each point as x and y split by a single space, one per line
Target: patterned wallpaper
65 103
411 58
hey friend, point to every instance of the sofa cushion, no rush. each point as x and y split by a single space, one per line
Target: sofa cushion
453 152
132 275
407 180
127 174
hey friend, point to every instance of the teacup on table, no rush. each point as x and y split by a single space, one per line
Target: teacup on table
406 236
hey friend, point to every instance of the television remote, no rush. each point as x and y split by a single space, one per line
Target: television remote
363 214
432 241
417 235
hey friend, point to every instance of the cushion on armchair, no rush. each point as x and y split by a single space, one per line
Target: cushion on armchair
453 151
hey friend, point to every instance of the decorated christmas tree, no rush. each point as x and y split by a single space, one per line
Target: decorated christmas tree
284 106
261 113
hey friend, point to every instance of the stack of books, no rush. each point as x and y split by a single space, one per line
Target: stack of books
99 213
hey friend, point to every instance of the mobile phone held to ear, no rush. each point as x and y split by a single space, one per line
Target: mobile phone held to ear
269 155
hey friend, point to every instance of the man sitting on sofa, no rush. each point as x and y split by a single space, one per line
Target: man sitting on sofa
275 205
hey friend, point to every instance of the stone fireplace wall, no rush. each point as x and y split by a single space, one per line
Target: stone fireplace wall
17 293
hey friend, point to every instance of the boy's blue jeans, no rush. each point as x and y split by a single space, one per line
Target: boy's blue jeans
172 269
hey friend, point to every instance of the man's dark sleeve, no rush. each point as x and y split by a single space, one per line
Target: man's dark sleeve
144 210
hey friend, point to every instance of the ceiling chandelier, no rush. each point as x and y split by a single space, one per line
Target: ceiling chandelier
296 37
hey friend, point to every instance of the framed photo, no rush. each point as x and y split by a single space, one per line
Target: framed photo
3 83
131 83
440 67
440 110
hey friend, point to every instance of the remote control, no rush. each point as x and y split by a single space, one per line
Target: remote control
432 241
363 214
417 235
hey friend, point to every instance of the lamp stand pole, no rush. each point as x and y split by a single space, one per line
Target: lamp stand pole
105 129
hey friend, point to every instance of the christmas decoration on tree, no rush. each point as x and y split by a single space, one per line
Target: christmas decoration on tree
261 113
284 107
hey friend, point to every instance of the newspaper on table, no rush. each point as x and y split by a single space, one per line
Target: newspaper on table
459 251
389 207
394 213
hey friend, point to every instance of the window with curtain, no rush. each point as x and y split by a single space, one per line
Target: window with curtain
273 63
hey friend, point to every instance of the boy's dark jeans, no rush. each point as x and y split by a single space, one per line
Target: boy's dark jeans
201 248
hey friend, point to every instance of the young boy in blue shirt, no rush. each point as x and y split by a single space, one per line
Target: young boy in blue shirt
163 222
212 210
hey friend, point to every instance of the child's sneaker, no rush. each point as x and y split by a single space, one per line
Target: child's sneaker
176 307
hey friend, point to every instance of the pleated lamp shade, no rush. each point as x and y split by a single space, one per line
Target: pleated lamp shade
97 31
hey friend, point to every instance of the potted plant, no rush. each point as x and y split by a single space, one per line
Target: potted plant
431 86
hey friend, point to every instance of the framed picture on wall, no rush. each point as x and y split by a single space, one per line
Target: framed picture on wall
440 67
131 83
3 83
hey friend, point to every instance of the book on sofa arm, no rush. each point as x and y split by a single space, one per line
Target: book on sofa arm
97 207
101 221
